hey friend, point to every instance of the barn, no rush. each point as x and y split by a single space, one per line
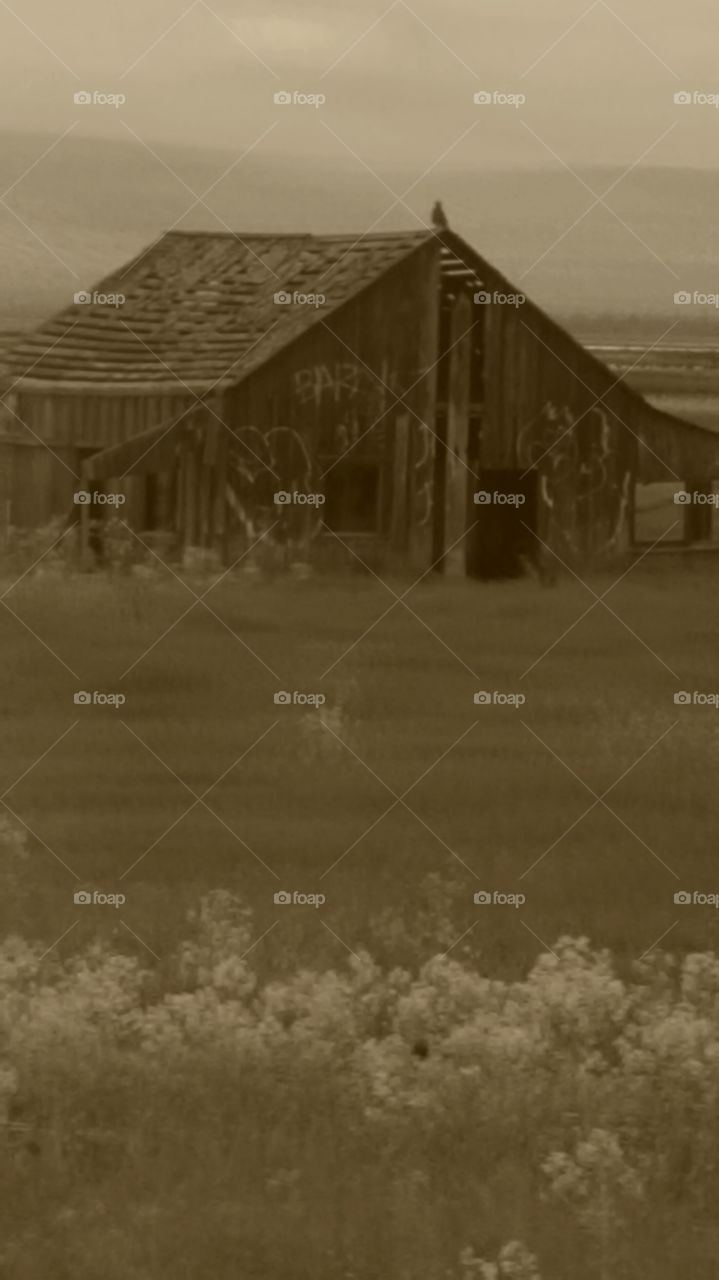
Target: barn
386 399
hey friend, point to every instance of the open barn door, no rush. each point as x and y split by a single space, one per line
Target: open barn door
503 539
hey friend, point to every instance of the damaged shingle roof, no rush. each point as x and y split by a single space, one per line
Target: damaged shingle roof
201 307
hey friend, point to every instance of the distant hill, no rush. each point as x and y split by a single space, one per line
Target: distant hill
91 205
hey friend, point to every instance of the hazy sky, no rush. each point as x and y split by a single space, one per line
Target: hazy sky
399 79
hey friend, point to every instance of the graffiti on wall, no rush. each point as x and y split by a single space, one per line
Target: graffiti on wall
320 383
355 406
263 463
584 487
348 403
350 380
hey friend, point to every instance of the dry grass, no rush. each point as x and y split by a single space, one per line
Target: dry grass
399 701
174 1110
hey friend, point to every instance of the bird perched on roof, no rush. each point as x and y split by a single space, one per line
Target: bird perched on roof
439 217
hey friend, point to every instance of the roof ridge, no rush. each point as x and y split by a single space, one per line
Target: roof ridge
300 235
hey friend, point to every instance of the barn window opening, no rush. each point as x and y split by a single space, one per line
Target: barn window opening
352 497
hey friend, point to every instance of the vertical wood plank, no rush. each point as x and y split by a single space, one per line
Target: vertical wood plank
457 476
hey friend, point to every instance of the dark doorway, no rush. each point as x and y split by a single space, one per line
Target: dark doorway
352 497
505 515
698 513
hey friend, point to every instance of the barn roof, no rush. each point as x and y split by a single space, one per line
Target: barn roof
200 306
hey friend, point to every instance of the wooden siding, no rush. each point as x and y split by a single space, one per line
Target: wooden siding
668 451
356 389
62 419
46 438
551 407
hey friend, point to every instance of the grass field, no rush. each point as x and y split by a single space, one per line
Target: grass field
298 793
398 1084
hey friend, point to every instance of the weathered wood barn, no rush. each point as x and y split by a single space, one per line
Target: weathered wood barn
389 396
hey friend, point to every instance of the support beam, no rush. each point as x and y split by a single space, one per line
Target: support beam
453 481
